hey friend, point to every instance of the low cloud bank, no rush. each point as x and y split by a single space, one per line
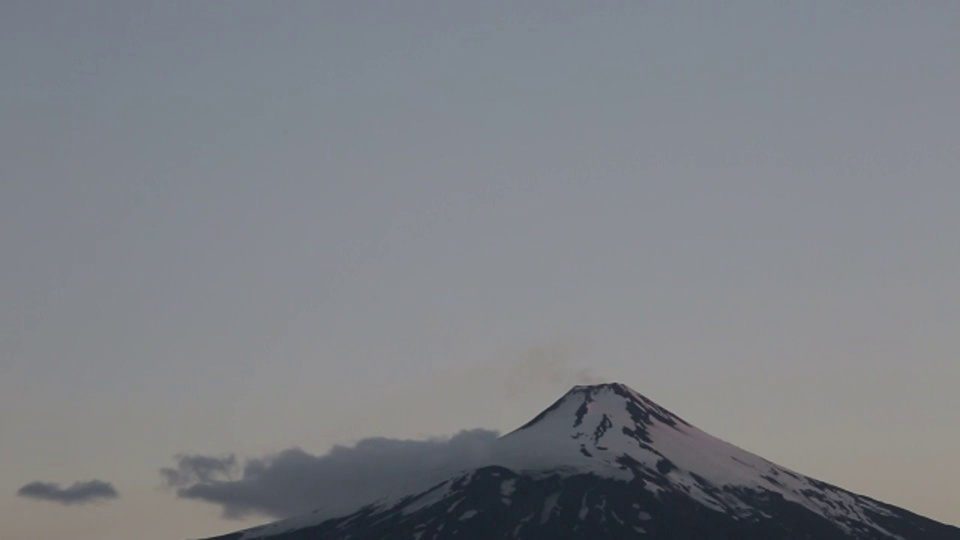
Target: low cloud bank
293 481
78 493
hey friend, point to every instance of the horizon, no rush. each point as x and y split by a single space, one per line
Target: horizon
253 232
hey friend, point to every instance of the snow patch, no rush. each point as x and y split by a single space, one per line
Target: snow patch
548 506
507 487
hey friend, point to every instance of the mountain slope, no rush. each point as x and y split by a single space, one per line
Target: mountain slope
606 462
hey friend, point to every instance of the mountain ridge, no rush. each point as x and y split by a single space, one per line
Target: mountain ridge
604 461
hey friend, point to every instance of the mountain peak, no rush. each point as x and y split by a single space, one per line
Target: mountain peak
614 388
608 401
601 386
604 461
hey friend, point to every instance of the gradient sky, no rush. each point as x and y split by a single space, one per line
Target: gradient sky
246 226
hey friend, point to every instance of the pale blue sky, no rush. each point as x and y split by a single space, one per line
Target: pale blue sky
243 227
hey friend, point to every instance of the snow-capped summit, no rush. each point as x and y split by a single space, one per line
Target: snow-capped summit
609 398
606 462
612 430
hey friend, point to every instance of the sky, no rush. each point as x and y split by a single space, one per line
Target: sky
241 231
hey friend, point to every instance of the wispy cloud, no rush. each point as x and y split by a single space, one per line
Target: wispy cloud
553 364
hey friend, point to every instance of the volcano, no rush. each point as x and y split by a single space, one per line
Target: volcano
605 462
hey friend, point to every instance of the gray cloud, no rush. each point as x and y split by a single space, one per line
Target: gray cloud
293 481
79 493
199 470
